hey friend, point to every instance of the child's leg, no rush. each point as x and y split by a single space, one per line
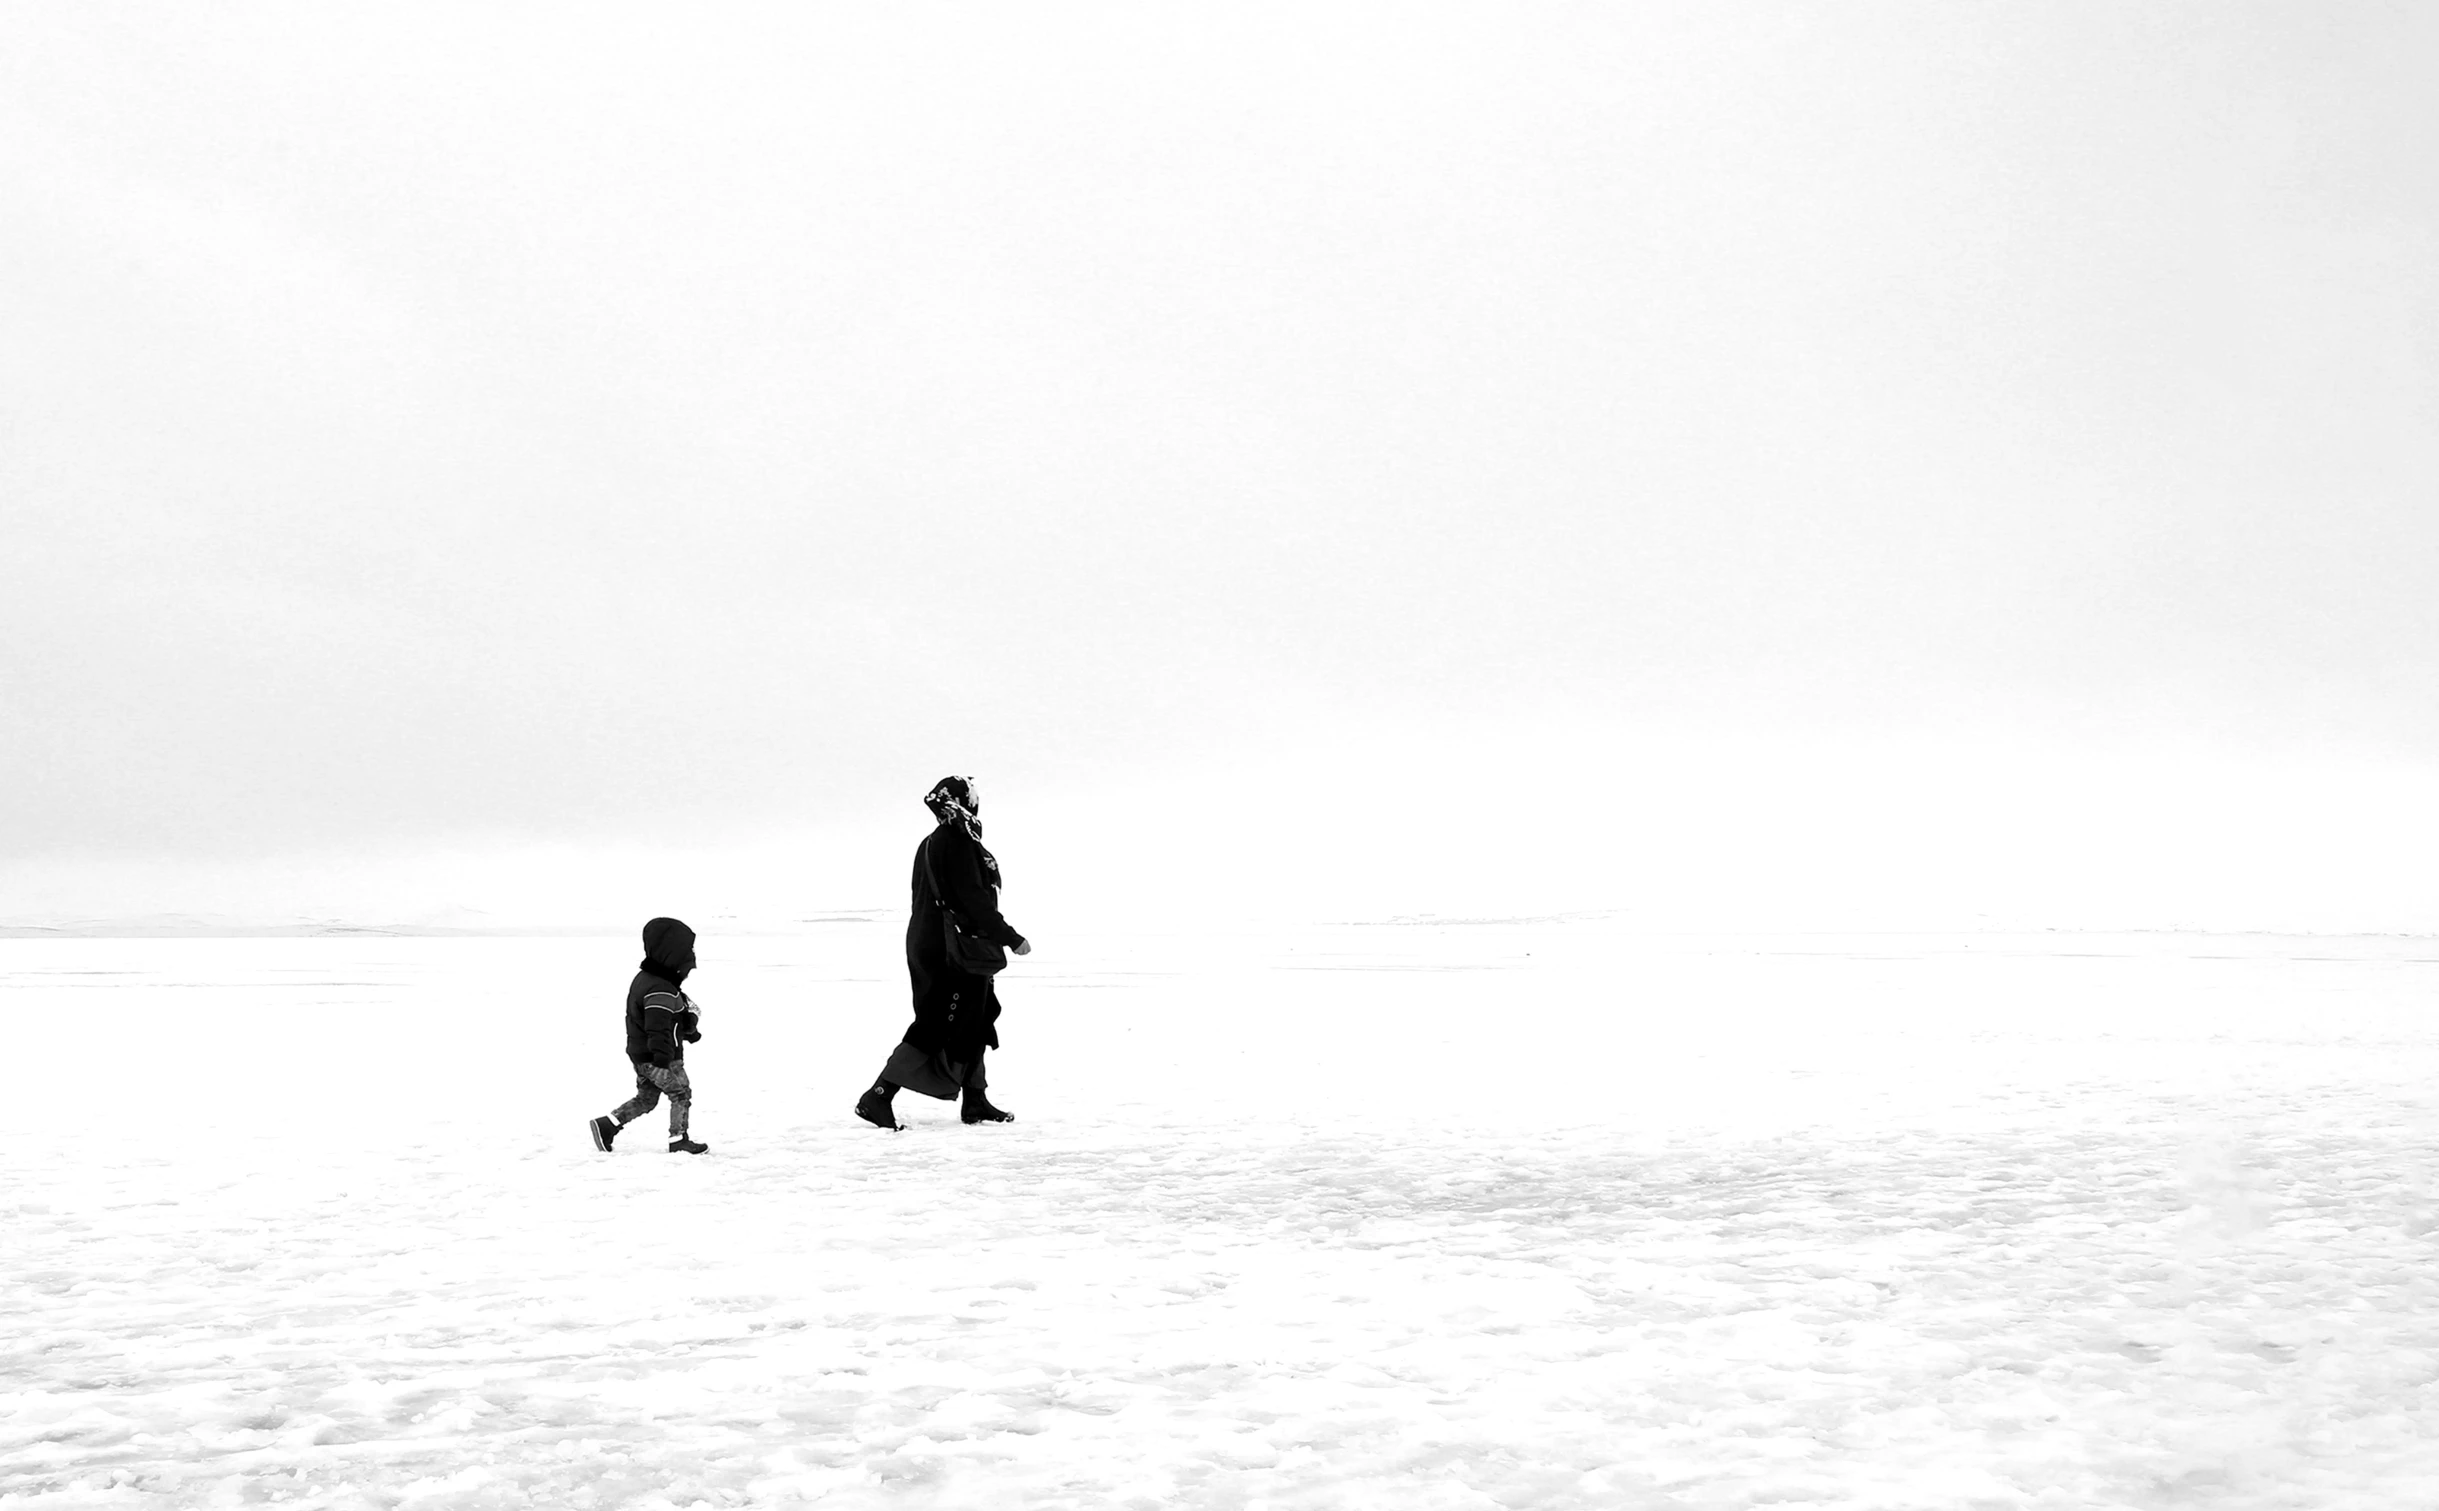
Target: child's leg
647 1096
672 1079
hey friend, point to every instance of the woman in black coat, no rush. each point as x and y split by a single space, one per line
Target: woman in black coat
955 1010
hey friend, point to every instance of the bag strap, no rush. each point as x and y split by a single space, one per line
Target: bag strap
931 864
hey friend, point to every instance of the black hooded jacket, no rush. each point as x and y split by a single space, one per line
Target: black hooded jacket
659 1016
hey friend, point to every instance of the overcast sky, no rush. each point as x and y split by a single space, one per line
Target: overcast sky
515 428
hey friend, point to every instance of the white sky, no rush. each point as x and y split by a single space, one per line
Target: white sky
529 429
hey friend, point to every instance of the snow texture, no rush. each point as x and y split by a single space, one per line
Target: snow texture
1427 1215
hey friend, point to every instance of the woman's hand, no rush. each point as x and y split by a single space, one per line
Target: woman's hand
1025 948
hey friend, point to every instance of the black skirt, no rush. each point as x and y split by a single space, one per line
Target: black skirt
931 1073
956 1013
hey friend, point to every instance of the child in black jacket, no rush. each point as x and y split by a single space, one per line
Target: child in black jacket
661 1021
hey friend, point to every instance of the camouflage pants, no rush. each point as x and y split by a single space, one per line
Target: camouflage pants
650 1082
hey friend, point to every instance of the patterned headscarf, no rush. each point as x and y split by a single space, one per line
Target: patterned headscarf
954 800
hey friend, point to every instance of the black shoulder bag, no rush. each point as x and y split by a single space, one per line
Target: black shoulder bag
967 950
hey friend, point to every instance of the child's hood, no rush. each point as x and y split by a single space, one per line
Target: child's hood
669 944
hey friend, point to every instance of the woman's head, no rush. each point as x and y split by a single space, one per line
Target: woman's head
953 797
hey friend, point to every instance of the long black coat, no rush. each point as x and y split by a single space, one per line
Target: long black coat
956 1012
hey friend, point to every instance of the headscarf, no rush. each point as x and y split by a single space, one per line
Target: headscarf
953 800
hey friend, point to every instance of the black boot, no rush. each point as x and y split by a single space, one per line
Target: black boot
977 1108
605 1130
874 1106
684 1145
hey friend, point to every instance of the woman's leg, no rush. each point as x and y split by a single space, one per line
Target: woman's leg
976 1107
875 1105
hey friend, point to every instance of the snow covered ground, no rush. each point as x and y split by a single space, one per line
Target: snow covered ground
1517 1214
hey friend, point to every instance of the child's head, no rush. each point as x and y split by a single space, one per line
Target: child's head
668 948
